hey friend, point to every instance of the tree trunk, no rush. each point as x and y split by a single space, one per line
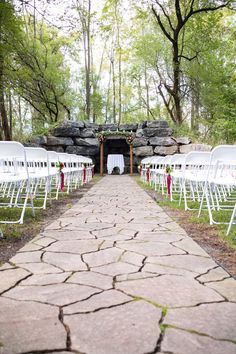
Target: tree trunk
20 115
88 84
10 112
3 113
114 90
147 91
176 84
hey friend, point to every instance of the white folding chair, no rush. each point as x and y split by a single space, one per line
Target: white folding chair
15 182
220 181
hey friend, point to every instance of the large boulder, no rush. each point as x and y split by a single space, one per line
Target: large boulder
83 150
185 149
111 127
166 150
183 140
150 132
55 148
159 141
157 124
90 125
128 127
68 128
86 142
54 141
142 125
139 133
143 151
139 142
39 140
87 133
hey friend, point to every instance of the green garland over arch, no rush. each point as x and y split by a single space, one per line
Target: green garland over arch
104 134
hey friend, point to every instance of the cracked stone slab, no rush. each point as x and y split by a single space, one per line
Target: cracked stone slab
172 226
30 247
43 241
190 246
112 231
170 291
65 261
186 262
133 258
226 287
160 236
138 227
10 277
98 301
149 248
103 257
6 266
57 294
117 268
74 246
68 235
76 225
106 244
214 275
127 329
46 279
161 269
220 319
41 268
29 327
27 257
93 279
134 276
177 341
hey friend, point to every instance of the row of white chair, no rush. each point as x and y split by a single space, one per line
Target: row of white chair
208 178
27 173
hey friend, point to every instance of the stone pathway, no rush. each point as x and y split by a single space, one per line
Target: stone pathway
115 275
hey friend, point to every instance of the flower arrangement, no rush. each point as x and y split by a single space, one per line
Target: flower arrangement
60 165
168 170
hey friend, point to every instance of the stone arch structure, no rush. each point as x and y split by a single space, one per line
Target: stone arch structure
107 136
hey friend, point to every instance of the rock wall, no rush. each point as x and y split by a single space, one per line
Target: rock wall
151 138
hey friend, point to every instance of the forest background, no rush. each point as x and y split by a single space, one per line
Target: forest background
118 61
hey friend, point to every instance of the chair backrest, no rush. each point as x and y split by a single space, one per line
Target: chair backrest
9 149
225 154
53 157
13 157
198 158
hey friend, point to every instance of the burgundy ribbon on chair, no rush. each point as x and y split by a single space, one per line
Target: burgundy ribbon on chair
62 181
148 174
84 177
168 184
93 172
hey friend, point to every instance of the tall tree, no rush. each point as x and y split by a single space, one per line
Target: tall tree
9 30
172 18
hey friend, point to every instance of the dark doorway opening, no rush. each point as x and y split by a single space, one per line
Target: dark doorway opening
117 145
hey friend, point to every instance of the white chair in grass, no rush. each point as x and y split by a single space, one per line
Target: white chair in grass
67 170
232 220
15 181
220 183
194 174
156 164
38 167
145 168
177 163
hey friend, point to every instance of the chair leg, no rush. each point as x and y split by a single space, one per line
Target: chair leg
231 221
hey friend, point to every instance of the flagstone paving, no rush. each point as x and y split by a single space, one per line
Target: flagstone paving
116 275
